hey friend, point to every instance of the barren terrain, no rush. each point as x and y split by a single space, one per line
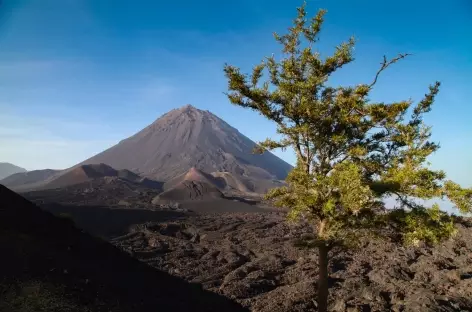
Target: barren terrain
250 257
247 253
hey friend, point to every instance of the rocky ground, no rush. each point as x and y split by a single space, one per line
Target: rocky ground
247 253
251 258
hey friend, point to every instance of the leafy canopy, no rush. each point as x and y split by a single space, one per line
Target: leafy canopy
351 151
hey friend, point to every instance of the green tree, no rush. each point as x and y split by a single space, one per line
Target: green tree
351 152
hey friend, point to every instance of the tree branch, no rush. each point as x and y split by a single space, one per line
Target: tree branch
405 202
386 64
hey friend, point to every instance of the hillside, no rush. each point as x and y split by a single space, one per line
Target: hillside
49 265
230 182
193 174
198 185
188 137
28 178
7 169
51 179
190 190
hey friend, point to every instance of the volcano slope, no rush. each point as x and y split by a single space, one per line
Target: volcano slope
49 265
189 137
226 182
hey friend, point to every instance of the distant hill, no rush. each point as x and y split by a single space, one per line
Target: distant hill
88 173
7 169
198 185
50 265
193 174
190 190
189 137
28 178
81 174
231 182
51 179
224 181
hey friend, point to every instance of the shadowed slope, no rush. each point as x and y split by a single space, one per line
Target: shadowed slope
229 181
56 267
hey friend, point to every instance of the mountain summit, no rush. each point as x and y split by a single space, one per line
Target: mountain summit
189 137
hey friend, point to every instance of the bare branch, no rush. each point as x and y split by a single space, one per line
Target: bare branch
386 64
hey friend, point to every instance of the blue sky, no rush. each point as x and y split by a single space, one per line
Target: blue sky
77 76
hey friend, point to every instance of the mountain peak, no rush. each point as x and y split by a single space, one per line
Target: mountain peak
188 107
186 110
188 137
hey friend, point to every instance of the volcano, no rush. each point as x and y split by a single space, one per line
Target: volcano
186 138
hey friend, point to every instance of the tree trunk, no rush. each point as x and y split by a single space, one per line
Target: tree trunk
323 278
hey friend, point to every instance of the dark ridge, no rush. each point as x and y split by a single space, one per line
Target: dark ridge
78 272
104 222
99 170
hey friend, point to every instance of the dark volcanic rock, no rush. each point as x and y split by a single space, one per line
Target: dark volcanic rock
251 258
49 265
188 137
106 191
249 255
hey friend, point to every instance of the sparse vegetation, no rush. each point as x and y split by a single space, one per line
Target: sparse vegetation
351 152
67 217
36 296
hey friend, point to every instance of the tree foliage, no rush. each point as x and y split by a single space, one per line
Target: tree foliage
351 151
